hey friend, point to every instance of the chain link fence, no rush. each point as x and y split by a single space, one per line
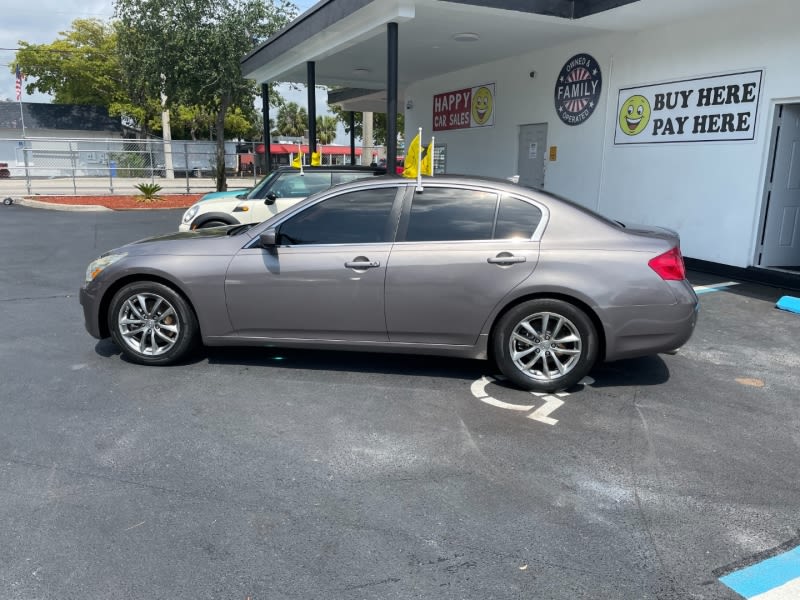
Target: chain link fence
91 166
102 166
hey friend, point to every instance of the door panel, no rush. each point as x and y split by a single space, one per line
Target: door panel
442 292
307 292
782 232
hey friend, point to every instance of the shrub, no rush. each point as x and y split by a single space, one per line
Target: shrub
149 192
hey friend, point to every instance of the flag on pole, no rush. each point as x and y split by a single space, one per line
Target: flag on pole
426 167
411 169
19 77
297 161
316 159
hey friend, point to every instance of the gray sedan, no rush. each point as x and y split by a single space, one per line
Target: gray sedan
464 267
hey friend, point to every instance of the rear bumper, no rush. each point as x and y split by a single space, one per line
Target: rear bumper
645 330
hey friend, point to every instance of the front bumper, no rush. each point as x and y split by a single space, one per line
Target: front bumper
91 312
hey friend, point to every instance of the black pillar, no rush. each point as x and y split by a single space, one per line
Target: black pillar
265 110
311 82
352 138
391 99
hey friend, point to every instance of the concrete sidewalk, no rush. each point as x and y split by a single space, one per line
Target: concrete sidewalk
101 186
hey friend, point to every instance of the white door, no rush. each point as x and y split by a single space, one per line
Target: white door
781 244
532 146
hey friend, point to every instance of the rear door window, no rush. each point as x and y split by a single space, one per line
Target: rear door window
451 214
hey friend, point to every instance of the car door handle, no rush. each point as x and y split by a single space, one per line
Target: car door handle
362 264
506 259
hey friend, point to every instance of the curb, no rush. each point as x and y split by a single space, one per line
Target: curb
64 207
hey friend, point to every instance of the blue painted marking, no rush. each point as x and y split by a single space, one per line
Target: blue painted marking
766 575
717 287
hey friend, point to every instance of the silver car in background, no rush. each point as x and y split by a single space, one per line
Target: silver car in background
463 267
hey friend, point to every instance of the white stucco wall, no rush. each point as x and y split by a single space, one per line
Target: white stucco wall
710 192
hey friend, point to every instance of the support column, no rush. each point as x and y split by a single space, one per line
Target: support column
265 110
391 98
352 138
367 139
311 82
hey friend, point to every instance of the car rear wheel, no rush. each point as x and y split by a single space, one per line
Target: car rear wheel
545 345
152 324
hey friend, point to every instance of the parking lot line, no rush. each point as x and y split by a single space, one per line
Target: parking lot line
776 578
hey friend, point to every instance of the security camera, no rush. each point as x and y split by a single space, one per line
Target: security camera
532 74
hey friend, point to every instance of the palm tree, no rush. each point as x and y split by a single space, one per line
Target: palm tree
292 120
326 129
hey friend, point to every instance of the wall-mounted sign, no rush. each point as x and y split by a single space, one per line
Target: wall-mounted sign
464 109
720 108
578 89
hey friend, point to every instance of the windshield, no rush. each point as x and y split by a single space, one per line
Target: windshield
260 191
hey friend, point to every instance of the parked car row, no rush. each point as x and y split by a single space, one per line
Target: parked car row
466 267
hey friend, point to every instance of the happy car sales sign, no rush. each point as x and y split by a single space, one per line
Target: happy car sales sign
464 109
721 108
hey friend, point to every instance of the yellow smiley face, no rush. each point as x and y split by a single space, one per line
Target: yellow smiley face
634 115
482 105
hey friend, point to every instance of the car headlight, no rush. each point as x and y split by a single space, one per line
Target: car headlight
189 214
99 264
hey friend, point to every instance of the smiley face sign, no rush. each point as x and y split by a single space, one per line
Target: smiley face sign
634 115
482 105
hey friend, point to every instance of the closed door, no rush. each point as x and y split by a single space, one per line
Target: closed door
530 165
781 244
325 279
458 255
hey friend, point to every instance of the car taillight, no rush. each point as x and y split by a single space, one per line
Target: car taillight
669 265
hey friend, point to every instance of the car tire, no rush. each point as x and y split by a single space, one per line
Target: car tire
212 223
545 345
152 324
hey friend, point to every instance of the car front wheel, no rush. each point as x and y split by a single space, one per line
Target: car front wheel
152 324
545 345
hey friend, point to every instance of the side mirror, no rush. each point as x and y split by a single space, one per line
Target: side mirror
241 196
271 197
268 239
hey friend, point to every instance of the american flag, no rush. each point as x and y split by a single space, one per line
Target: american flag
20 77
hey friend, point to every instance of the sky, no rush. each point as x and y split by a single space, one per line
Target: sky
40 21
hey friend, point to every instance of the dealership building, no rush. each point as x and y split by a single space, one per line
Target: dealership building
681 113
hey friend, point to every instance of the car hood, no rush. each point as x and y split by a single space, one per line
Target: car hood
212 241
227 194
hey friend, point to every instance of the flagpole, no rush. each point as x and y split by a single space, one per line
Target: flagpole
18 85
433 154
419 160
300 152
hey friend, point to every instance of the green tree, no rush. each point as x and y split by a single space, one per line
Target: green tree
326 129
81 66
292 120
190 51
379 122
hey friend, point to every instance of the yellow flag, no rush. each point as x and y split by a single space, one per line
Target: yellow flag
297 161
412 158
316 159
427 161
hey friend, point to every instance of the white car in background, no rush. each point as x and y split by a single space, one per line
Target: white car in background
276 192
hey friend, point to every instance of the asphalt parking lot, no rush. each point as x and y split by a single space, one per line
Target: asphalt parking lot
271 474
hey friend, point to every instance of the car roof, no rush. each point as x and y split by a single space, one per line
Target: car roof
335 168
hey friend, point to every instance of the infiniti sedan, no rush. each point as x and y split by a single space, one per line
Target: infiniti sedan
466 267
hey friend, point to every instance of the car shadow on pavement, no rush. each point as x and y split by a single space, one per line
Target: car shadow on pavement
357 362
646 371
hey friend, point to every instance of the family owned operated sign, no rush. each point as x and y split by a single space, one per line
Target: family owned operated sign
720 108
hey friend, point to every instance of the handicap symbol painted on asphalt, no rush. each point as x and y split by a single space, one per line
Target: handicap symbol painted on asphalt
552 402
